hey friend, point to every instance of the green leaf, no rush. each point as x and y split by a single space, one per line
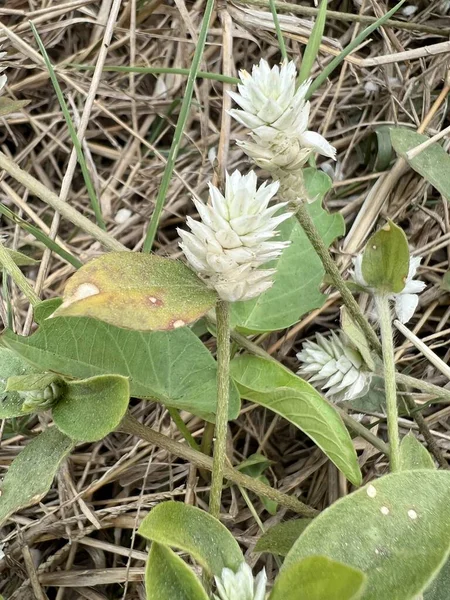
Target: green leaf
11 365
439 587
173 367
168 577
136 291
413 455
373 401
194 531
31 473
385 262
21 260
8 106
39 390
254 465
313 45
45 309
433 163
92 408
271 385
318 578
299 270
280 538
396 530
357 337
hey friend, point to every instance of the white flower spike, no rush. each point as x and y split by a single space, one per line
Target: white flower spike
241 585
406 301
233 238
336 367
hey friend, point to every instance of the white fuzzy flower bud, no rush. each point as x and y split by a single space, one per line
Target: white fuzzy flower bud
233 237
336 367
406 301
241 585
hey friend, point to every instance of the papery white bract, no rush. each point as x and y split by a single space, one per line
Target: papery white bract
333 365
241 585
406 301
3 78
233 237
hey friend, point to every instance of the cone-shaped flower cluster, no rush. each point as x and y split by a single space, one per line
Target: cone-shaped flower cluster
233 238
241 585
406 301
277 114
335 367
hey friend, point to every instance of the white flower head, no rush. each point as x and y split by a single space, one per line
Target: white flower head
241 585
334 366
234 237
406 301
273 109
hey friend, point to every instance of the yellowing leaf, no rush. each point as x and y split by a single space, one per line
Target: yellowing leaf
136 291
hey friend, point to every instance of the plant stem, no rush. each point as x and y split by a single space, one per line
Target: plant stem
318 244
17 276
424 386
384 314
276 22
223 391
181 426
132 426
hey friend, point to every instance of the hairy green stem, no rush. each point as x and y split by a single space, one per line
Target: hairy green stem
132 426
17 276
330 267
384 314
423 386
50 198
223 392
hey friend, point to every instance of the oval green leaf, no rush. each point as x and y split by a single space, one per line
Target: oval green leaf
136 291
440 586
271 385
172 367
280 538
194 531
31 474
167 577
11 365
21 260
318 578
433 163
396 530
92 408
413 455
299 271
385 262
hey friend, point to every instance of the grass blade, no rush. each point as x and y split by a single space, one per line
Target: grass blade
348 49
182 118
312 48
276 22
73 134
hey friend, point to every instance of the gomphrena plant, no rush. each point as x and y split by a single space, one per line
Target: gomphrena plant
132 325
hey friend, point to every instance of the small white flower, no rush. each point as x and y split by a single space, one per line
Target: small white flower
335 366
233 237
406 301
274 109
241 585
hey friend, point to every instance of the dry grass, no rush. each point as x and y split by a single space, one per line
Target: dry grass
80 542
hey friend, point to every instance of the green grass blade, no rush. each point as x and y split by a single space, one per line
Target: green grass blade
348 49
40 236
182 118
276 22
312 48
73 134
158 71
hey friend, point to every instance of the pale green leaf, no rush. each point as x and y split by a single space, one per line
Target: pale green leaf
21 260
168 577
433 163
173 367
8 106
413 455
280 538
11 365
194 531
357 337
313 45
299 270
396 530
271 385
92 408
385 262
318 578
440 586
137 291
31 473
